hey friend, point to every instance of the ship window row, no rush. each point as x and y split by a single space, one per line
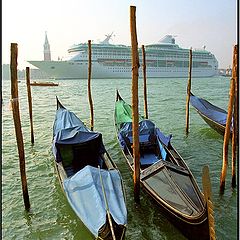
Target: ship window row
155 54
105 52
155 63
178 55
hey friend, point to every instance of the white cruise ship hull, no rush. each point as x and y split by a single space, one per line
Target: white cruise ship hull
79 70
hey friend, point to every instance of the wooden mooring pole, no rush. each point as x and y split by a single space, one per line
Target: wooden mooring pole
207 190
188 90
227 135
29 103
89 83
235 139
144 82
17 122
135 117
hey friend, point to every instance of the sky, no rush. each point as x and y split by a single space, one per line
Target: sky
195 23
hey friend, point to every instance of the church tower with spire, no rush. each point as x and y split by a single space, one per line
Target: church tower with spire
47 52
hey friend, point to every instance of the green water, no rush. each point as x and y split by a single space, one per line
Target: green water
51 217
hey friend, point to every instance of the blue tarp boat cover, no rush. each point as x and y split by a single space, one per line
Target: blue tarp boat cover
206 108
83 189
145 127
85 195
65 119
146 130
69 129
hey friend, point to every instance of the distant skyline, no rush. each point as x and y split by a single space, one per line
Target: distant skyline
195 23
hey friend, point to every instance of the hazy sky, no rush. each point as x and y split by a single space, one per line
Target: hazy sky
195 23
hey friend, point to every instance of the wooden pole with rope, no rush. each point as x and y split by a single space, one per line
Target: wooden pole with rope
29 103
135 117
89 83
17 123
144 82
188 90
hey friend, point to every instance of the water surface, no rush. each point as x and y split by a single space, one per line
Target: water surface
51 217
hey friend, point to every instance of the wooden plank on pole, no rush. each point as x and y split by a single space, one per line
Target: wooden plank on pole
144 82
207 190
30 103
188 90
135 117
17 122
89 83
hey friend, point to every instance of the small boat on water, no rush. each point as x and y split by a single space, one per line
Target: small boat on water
88 176
163 173
43 84
214 116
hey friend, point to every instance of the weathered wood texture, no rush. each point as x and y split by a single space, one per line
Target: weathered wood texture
135 117
30 103
144 82
89 84
188 90
17 122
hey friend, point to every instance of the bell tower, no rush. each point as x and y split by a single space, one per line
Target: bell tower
47 52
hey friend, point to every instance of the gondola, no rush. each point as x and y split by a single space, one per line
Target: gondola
88 176
214 116
163 173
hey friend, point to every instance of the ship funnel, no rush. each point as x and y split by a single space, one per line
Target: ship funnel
168 39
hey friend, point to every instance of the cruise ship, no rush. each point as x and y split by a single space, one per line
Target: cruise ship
163 60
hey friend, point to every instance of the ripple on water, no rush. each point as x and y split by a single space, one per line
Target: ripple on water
51 217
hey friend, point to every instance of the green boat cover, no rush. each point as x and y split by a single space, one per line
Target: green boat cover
123 113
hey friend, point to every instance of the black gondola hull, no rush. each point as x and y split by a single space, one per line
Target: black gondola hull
192 228
63 174
195 228
164 176
214 125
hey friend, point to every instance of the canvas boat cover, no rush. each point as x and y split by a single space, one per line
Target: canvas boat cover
83 189
145 127
147 130
123 113
85 195
65 119
206 108
68 129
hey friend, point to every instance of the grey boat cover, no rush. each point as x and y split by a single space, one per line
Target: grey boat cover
85 195
209 110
